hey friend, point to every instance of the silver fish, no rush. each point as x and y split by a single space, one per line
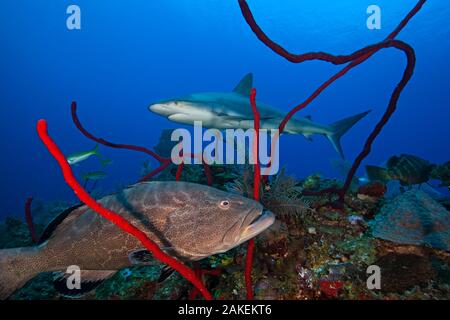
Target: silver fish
77 157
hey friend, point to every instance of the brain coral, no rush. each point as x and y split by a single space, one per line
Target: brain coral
413 218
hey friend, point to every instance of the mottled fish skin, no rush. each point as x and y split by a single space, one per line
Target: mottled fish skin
189 221
409 169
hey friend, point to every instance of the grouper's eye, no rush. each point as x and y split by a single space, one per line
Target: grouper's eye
225 204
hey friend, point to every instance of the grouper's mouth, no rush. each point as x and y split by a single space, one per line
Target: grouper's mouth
260 223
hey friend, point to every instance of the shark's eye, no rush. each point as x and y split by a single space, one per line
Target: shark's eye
224 204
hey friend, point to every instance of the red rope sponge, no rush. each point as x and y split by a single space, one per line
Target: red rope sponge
256 125
165 162
115 218
256 184
29 219
355 59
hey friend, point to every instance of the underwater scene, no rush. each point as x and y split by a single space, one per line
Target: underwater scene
225 149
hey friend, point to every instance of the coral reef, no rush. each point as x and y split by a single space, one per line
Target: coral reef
313 253
372 191
413 218
402 272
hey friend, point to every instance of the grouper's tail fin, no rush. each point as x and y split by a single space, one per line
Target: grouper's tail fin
17 266
339 128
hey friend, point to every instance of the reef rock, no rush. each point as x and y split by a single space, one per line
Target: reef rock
413 218
402 272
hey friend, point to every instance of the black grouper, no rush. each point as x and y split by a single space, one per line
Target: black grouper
187 220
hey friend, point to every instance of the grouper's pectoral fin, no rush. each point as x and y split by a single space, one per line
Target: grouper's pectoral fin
89 281
141 257
144 257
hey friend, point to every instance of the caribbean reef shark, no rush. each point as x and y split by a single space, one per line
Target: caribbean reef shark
232 110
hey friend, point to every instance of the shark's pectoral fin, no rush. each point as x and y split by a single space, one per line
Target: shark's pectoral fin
308 136
245 85
89 281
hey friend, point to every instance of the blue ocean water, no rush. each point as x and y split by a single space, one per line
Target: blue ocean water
130 54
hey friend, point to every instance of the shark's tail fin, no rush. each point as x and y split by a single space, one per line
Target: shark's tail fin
17 266
339 128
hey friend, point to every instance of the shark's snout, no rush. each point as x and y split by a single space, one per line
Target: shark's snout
160 108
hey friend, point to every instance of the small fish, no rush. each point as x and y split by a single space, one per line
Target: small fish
442 173
96 175
105 162
188 221
407 169
81 156
354 219
363 180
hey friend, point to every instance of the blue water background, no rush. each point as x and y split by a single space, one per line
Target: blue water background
131 53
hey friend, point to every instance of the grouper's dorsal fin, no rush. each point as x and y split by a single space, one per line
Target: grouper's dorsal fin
245 85
51 227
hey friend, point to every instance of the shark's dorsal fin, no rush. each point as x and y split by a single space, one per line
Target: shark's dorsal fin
245 85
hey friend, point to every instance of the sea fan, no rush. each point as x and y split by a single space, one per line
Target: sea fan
281 195
243 184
